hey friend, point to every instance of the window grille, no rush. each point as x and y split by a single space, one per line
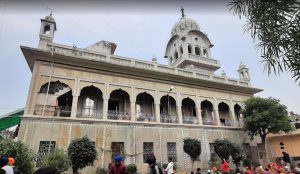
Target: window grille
117 148
171 151
45 148
147 150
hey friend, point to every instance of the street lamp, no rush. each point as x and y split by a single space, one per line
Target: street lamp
171 88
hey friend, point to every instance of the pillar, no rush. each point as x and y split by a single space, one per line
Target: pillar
74 107
232 116
105 108
157 112
179 113
132 111
216 115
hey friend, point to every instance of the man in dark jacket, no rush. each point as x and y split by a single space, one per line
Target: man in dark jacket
151 160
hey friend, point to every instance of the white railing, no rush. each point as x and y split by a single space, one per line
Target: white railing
168 118
89 113
62 111
118 115
189 119
119 60
145 117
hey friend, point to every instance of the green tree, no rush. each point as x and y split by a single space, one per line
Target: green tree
82 153
192 147
274 25
263 116
223 148
238 154
23 155
57 159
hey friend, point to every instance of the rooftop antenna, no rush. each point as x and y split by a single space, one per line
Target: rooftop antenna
182 12
50 10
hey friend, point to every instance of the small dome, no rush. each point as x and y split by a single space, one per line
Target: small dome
49 18
185 24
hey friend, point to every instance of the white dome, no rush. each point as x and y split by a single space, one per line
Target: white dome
184 24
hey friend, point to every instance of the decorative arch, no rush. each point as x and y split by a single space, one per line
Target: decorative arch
168 113
58 102
237 112
188 108
207 113
170 43
47 29
90 102
224 114
119 105
189 49
197 51
201 35
145 107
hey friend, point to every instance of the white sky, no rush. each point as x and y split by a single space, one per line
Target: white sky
140 30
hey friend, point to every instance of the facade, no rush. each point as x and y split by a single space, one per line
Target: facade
130 106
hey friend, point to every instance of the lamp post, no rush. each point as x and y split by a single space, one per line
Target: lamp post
171 88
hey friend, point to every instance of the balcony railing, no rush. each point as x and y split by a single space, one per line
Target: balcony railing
145 117
226 122
168 118
118 115
89 113
189 120
62 111
209 121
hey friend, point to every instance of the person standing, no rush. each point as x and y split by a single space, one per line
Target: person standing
118 167
225 167
6 167
169 168
151 160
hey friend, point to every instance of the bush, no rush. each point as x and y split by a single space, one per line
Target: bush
164 165
100 170
23 155
82 152
57 159
131 168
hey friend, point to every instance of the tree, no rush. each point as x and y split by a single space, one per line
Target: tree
238 154
23 155
223 148
192 147
82 153
57 159
275 27
263 116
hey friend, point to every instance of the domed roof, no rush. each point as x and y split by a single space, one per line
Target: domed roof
184 24
49 18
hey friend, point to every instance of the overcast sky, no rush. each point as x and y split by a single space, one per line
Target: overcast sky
140 30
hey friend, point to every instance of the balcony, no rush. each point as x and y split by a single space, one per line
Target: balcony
168 118
90 113
118 115
61 111
226 122
208 121
189 120
145 117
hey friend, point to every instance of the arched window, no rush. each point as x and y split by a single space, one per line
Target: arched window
176 55
47 29
171 60
205 53
181 50
197 51
189 49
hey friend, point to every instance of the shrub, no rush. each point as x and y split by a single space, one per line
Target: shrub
100 170
57 159
131 168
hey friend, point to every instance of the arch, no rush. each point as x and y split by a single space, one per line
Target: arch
189 49
181 50
197 51
176 55
145 107
119 105
171 60
188 108
237 112
224 114
47 29
201 35
205 53
207 113
170 43
90 102
58 102
168 113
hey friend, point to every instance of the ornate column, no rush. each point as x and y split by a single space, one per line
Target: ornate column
74 107
199 113
216 113
105 108
178 107
132 111
157 107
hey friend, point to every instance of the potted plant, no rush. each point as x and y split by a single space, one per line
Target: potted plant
131 168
